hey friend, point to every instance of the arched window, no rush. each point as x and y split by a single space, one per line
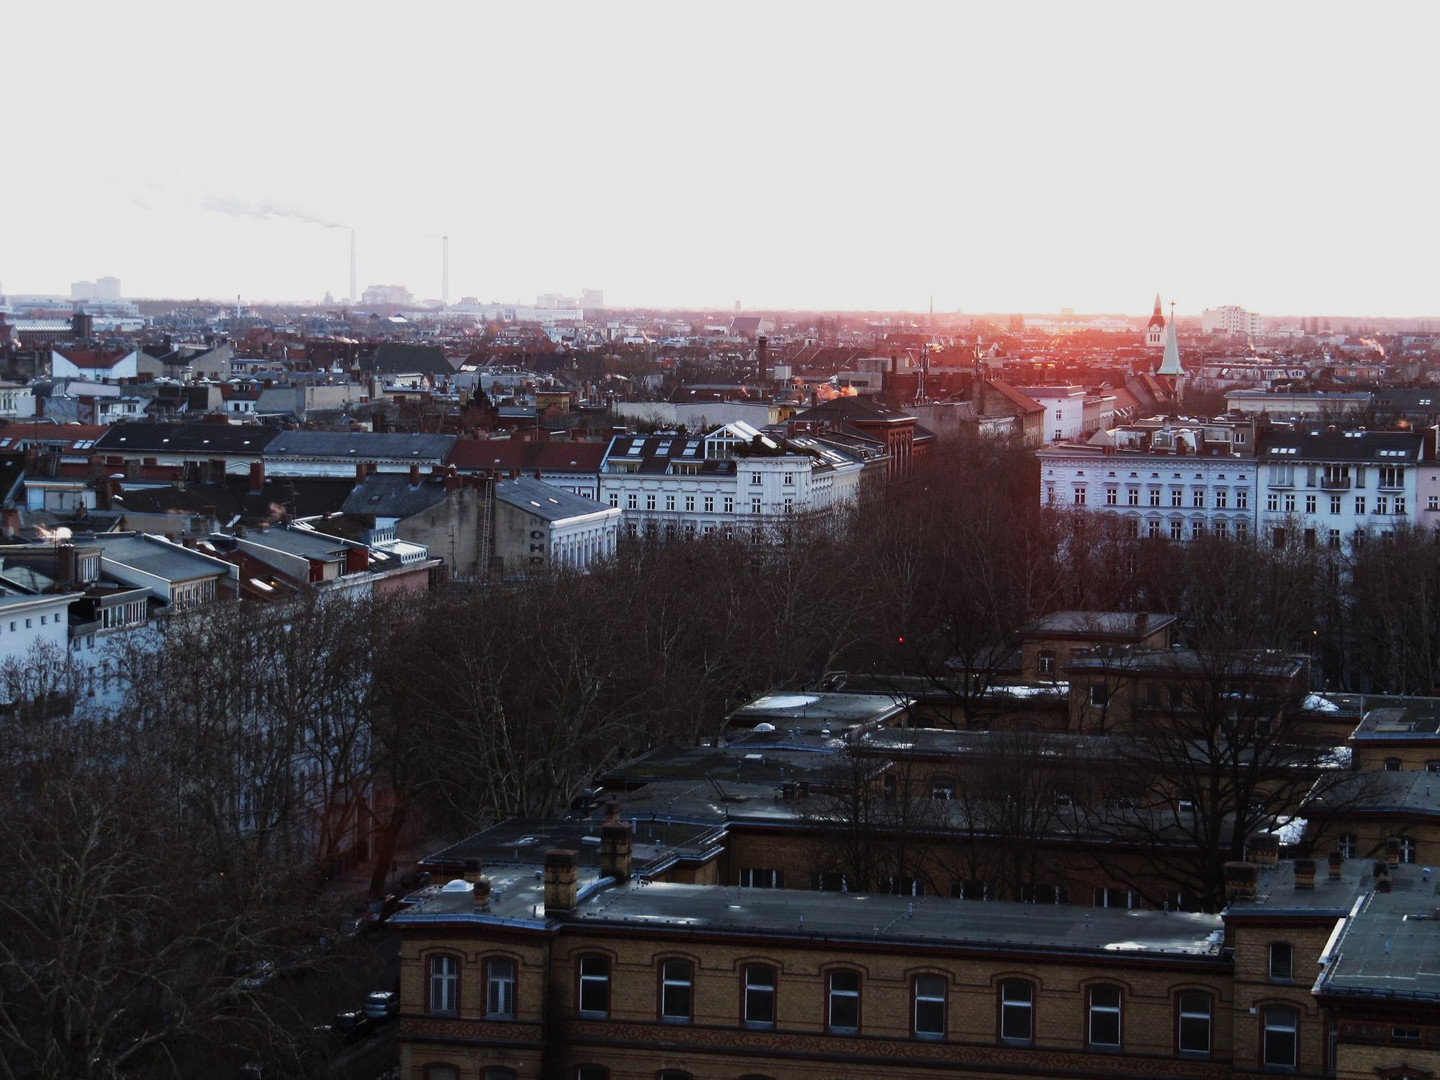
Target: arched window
759 995
842 1011
927 1016
594 988
1017 1011
1192 1034
500 988
1103 1027
1280 1047
444 984
676 990
592 1072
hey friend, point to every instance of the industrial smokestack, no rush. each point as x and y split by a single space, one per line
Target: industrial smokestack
445 271
354 295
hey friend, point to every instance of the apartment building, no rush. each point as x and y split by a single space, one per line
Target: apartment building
1336 488
733 479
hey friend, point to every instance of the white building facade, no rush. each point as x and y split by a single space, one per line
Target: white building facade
1230 319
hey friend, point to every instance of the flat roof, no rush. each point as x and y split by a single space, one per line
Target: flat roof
811 711
1386 949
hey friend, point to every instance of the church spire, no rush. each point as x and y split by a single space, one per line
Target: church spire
1170 365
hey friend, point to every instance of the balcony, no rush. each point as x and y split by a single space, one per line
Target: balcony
1335 483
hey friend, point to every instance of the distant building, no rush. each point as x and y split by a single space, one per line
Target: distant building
1231 320
1155 329
539 525
386 295
105 288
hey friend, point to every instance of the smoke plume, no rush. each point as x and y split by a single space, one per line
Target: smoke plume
266 209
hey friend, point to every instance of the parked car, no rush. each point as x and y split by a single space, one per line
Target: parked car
351 1025
382 1005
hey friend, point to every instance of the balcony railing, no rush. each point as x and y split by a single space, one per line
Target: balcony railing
1335 483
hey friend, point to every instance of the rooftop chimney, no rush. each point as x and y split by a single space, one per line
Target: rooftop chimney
414 475
561 872
1240 880
1304 873
1337 864
257 477
616 844
1263 849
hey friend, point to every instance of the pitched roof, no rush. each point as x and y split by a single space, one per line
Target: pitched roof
397 358
360 446
544 500
504 454
248 439
858 410
391 495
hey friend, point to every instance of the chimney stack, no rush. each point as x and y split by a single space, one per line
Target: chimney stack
1263 849
10 522
257 477
414 475
1304 873
561 871
1392 851
1337 863
616 844
472 870
1241 879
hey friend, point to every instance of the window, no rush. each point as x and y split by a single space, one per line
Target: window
1310 504
1392 764
844 1001
729 504
1079 496
1114 897
1282 959
1017 998
1045 662
595 985
759 995
1333 539
631 501
1280 1041
1222 499
1112 497
1099 694
1334 504
755 506
1359 504
1197 529
441 1072
1289 504
1153 530
759 878
1382 504
500 988
1104 1028
1242 499
1177 497
1176 529
689 503
1406 847
444 984
1193 1034
929 1017
1432 502
495 1072
755 478
614 498
675 990
1197 498
1399 504
1347 844
669 502
1132 496
789 478
1154 496
1272 501
592 1072
709 504
650 502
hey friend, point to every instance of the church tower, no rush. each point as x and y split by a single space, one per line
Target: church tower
1155 331
1170 366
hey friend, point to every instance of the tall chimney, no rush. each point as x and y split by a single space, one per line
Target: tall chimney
257 477
354 293
561 870
445 271
616 844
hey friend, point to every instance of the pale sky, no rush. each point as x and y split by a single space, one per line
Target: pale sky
996 156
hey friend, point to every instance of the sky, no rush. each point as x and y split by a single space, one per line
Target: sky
1005 156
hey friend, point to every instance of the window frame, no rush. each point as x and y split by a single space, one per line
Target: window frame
1094 1012
917 999
761 990
599 983
1267 1026
676 974
1182 1014
834 994
432 961
1280 958
492 981
1026 1006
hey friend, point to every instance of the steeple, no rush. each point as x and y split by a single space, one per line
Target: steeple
1171 364
1155 329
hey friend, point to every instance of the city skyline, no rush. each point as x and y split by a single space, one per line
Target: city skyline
995 159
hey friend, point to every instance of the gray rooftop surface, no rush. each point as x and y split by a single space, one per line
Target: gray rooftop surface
156 557
360 446
1389 948
546 500
807 711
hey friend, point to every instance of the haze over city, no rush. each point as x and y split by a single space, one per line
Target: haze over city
994 157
